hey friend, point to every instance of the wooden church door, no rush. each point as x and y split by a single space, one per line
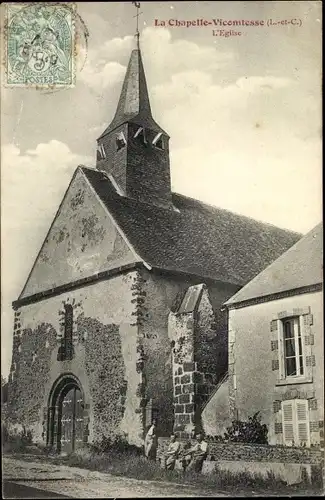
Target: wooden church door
79 406
71 421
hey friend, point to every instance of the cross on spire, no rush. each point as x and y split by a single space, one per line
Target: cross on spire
137 34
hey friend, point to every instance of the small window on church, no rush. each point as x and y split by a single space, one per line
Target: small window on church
151 413
120 141
158 141
140 135
68 328
66 348
148 414
101 153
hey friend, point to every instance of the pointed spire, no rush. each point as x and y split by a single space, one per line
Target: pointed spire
134 149
134 103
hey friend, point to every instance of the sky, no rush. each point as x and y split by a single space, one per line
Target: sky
243 113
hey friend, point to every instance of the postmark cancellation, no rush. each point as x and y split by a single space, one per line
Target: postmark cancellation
40 45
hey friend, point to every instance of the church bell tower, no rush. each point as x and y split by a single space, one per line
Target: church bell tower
134 149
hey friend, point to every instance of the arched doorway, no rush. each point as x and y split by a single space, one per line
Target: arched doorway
66 415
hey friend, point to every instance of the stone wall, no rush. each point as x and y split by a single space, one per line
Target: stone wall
199 356
255 452
250 452
157 294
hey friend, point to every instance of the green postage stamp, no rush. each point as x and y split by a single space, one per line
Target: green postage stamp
40 45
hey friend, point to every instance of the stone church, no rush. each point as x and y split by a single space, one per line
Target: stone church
120 319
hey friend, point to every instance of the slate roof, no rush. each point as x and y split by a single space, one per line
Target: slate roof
134 104
197 238
298 267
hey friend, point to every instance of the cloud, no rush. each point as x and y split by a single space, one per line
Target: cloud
240 146
166 56
162 56
194 106
245 133
263 186
104 76
113 49
32 187
260 83
102 67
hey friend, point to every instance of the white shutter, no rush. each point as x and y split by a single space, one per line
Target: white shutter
302 423
288 422
103 151
157 137
121 137
138 132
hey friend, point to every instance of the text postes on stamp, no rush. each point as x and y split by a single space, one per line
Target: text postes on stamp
40 46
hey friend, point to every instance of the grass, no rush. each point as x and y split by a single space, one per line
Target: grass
133 465
15 441
120 459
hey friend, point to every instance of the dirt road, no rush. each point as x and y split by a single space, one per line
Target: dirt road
81 483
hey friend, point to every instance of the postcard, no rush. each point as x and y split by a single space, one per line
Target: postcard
161 249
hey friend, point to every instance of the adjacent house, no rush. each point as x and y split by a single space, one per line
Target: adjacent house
276 349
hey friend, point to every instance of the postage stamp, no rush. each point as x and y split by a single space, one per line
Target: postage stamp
40 45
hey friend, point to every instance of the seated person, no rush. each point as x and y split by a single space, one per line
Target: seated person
198 454
185 455
172 452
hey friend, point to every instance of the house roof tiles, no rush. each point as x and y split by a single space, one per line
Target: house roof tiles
298 267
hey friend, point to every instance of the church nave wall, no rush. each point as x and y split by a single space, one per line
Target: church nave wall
102 356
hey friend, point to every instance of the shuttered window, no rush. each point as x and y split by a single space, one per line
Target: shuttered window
295 422
291 343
